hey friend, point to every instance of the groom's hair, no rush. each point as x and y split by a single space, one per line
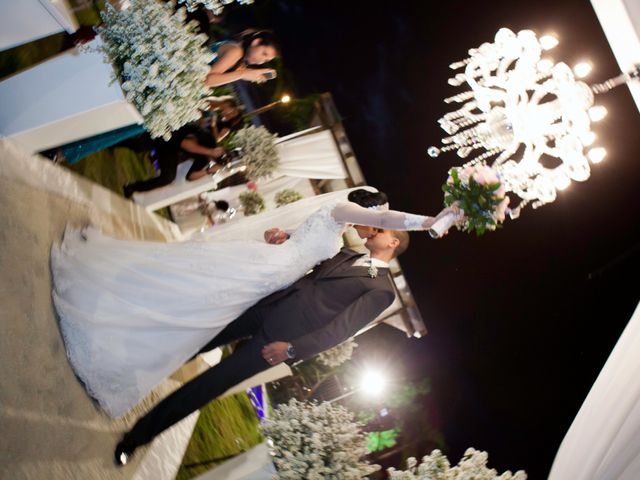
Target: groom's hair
403 238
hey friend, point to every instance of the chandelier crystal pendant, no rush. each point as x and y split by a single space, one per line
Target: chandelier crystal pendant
526 116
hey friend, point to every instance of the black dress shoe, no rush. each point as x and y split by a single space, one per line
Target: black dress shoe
123 453
128 191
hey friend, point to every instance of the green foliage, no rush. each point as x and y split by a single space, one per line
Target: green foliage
478 201
405 395
378 441
115 167
227 426
298 113
24 56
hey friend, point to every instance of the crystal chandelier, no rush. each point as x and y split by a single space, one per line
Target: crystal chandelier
529 118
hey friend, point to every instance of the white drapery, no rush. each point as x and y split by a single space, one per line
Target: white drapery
314 155
28 20
603 442
68 97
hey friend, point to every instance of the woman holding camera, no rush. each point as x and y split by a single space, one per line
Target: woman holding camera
236 60
233 61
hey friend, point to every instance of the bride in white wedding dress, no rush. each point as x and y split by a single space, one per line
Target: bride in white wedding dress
132 312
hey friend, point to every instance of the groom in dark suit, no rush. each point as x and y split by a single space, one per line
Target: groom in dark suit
322 309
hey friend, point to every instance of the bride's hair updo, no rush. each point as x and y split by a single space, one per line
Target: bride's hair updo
368 199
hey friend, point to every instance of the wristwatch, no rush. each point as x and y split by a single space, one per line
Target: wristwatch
291 352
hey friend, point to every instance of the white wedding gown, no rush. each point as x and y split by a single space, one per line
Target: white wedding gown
132 312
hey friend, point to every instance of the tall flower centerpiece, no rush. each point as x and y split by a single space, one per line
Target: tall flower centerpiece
258 149
316 441
216 6
337 355
436 466
479 193
160 60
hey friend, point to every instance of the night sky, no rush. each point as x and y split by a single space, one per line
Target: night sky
520 320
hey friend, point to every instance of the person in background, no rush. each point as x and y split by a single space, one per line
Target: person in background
238 60
226 116
188 142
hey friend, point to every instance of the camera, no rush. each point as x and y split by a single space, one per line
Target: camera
231 155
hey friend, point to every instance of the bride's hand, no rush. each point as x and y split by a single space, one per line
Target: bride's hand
453 209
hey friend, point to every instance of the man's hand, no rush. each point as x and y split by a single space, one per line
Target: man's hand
275 236
217 152
275 352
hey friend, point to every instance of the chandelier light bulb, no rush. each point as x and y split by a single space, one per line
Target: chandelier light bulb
285 99
597 113
561 183
596 155
545 65
588 139
582 69
548 42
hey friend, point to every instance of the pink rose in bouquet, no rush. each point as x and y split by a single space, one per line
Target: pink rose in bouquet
481 196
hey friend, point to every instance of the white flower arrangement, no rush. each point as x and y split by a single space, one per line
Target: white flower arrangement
252 202
161 62
337 355
258 151
316 441
216 6
287 196
436 466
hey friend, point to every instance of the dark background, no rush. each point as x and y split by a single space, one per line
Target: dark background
521 320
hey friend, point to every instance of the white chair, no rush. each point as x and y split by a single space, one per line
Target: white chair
181 188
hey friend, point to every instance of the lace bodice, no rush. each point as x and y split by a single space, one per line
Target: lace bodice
318 238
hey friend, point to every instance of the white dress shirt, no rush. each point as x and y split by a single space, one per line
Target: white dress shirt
367 261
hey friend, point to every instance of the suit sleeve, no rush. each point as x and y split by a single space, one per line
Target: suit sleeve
344 325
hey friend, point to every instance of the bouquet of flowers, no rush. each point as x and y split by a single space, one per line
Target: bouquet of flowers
481 196
161 61
216 6
258 151
436 466
316 441
287 196
337 355
252 202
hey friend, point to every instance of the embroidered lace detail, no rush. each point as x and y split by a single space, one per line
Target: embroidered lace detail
414 222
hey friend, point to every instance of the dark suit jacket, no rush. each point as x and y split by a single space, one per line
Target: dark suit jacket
327 306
